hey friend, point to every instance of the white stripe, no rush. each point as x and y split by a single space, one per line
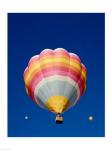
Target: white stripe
58 77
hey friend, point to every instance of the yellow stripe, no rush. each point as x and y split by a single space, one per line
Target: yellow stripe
38 67
61 59
83 74
54 60
52 57
28 78
57 104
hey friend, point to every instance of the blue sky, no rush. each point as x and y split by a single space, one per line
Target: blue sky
80 33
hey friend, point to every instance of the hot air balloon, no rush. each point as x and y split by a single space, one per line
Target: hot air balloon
55 80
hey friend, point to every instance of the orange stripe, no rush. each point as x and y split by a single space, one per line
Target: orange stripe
37 65
51 59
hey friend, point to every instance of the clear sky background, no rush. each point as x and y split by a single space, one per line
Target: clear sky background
28 35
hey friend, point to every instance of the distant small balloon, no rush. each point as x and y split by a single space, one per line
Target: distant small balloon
90 118
26 117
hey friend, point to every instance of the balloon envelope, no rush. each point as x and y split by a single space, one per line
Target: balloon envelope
55 79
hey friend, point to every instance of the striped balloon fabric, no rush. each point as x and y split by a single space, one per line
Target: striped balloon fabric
55 79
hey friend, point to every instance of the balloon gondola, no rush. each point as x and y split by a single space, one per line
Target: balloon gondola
59 119
55 80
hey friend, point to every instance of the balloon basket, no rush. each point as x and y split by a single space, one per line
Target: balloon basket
59 119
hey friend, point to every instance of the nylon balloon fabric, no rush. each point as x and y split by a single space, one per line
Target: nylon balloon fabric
55 79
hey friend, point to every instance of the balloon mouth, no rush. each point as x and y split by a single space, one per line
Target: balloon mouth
57 104
59 119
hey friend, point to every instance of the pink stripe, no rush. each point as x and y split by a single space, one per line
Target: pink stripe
81 84
74 57
53 53
84 68
61 51
33 59
46 52
57 70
